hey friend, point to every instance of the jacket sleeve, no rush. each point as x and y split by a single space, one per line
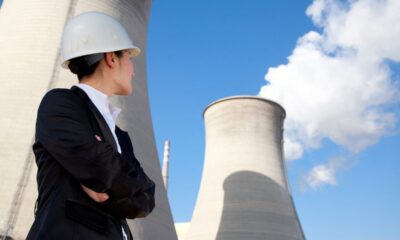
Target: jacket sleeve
64 130
139 205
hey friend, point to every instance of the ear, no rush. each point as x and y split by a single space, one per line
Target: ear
110 59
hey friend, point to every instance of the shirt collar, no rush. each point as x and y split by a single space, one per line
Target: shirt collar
100 100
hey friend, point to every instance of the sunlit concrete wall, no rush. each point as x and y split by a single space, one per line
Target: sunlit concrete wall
30 33
244 193
182 229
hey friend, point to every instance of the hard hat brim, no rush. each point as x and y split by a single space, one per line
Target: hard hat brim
133 52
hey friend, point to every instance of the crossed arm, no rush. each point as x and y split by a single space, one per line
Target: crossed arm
104 175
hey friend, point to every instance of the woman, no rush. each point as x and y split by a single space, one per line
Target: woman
88 178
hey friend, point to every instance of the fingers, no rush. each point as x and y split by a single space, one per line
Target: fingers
97 197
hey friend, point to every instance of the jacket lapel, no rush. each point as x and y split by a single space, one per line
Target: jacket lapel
124 142
100 121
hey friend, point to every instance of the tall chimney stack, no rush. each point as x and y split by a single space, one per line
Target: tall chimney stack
165 168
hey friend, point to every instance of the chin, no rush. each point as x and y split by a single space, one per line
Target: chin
128 93
124 92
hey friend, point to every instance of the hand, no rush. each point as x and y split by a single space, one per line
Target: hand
97 197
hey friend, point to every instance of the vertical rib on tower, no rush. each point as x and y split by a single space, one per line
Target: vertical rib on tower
30 33
244 193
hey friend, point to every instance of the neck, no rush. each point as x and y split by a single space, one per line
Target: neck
99 83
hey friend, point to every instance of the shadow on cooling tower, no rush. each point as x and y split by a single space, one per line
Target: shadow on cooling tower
256 207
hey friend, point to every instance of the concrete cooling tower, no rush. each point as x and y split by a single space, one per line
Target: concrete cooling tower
244 192
30 34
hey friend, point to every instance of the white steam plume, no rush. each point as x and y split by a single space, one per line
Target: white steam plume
337 84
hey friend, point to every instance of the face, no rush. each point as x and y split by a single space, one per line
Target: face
124 74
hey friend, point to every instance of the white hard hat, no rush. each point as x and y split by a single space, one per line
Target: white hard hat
91 33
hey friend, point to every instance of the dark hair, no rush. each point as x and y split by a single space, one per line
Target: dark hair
85 66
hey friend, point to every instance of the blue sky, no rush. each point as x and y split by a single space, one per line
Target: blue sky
200 51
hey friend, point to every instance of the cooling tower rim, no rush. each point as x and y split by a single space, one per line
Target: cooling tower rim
245 97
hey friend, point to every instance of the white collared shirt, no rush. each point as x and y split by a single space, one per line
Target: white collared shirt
108 111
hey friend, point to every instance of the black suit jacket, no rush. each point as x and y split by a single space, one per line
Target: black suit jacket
74 146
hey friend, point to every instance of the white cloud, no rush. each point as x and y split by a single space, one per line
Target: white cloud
337 84
322 174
